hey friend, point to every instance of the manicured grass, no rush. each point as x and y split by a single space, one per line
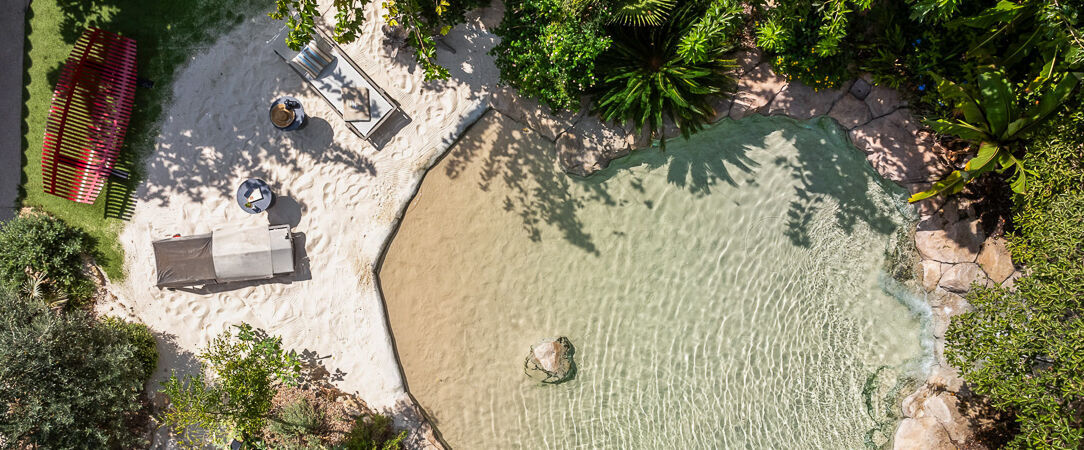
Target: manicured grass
167 33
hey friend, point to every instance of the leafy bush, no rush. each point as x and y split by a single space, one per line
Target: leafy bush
422 21
649 79
141 338
43 245
1025 349
374 433
548 49
65 381
297 420
246 367
805 39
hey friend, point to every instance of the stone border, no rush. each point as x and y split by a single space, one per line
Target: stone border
953 250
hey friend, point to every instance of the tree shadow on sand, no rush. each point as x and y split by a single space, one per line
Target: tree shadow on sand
522 162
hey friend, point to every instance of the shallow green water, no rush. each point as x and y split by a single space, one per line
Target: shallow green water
730 292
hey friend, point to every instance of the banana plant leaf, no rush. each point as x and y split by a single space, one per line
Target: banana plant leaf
956 128
962 100
951 184
983 161
998 101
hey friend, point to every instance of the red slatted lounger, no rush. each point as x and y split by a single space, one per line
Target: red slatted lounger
89 116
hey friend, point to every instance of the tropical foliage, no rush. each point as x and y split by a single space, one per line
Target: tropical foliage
65 380
548 49
43 257
237 402
805 38
994 122
1025 348
423 22
669 72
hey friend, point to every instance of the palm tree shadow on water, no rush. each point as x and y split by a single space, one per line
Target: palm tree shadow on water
828 173
523 163
831 173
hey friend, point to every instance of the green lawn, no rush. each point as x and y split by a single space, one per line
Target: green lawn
167 32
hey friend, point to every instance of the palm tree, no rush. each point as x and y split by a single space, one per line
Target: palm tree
652 78
993 121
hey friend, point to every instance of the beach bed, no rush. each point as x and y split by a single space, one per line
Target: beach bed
342 81
224 255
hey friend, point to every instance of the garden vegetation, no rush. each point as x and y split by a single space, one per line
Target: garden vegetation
237 402
997 79
1024 349
43 257
68 381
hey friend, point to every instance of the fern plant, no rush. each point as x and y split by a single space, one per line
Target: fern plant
650 80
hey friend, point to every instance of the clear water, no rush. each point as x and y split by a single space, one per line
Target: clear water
727 293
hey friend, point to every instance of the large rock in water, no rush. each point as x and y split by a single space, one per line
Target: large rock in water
550 361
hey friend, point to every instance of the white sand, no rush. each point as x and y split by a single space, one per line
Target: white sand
336 189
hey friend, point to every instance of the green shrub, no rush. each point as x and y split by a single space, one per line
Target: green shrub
1025 349
805 39
48 246
422 22
373 433
247 367
65 381
297 420
141 338
548 49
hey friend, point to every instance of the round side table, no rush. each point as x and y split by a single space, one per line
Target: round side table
293 105
254 196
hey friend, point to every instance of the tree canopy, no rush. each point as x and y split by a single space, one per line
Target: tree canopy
65 380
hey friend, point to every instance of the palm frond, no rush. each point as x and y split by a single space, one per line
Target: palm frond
642 12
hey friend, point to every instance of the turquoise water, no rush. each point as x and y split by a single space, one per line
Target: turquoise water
729 292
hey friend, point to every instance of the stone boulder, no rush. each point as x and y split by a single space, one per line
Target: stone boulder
850 112
931 274
924 433
756 89
550 361
882 101
746 60
590 145
1010 283
803 102
720 108
533 114
951 243
959 277
898 150
996 260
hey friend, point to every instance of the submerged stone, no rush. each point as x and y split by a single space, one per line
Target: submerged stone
550 361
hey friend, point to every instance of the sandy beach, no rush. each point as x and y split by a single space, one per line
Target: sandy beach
342 196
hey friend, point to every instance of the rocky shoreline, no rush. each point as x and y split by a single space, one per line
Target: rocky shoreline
953 249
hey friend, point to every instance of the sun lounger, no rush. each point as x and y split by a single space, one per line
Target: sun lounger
224 255
341 81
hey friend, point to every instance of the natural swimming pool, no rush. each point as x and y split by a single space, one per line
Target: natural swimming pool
728 292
